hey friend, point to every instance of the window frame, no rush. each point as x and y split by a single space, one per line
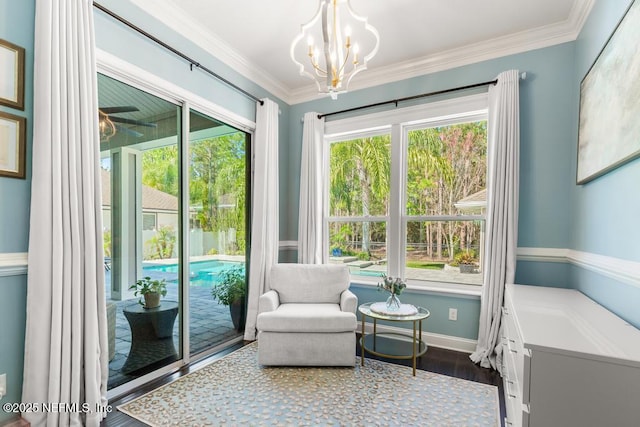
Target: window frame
398 123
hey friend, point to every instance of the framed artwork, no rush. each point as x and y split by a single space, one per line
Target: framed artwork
609 128
12 72
12 145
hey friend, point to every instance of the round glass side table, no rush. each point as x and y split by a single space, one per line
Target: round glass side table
393 345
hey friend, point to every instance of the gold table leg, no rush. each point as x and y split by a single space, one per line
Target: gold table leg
362 342
414 348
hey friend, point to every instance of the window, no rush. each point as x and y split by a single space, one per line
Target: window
149 221
407 192
359 201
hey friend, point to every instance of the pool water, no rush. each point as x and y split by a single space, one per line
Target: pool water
202 273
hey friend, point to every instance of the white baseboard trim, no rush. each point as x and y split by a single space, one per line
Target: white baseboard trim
448 342
13 263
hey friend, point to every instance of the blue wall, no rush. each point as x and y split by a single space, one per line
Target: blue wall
606 210
16 26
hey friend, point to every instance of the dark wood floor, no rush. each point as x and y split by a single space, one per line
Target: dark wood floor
437 360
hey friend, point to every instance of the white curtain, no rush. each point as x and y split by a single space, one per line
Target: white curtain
264 218
310 208
66 350
502 213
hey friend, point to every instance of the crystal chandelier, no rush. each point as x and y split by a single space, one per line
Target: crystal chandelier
337 58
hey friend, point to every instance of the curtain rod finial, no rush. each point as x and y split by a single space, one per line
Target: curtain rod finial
523 75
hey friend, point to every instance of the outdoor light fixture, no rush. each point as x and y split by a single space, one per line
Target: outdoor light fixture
341 37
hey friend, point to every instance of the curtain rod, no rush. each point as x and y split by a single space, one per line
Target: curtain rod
408 98
192 62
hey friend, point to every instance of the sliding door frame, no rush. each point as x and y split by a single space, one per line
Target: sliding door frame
132 75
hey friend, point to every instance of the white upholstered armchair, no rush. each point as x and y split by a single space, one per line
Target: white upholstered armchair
308 317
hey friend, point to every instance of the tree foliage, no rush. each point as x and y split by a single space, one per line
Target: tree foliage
444 165
217 187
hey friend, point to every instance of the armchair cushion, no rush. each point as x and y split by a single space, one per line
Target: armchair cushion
307 318
309 283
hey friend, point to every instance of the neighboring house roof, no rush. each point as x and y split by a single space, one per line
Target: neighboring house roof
473 202
152 199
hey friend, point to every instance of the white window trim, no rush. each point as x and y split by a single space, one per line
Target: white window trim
398 123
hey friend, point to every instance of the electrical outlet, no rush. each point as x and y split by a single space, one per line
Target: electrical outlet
453 314
3 385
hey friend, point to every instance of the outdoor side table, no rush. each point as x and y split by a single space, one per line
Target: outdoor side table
391 344
151 335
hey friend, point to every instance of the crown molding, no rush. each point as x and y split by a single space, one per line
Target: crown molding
175 18
537 38
523 41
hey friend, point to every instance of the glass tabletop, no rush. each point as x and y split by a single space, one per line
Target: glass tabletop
365 309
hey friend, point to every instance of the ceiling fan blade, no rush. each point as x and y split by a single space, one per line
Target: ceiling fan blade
128 131
122 109
132 122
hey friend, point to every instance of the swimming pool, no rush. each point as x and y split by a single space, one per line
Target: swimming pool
202 273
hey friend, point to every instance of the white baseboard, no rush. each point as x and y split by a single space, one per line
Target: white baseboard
448 342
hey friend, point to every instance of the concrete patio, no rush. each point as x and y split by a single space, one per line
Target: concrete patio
210 325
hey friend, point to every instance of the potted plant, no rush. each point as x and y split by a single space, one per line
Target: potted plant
231 292
466 262
150 290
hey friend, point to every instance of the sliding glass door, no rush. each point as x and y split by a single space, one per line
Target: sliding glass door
217 231
139 141
174 190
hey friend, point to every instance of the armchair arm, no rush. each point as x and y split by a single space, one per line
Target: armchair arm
348 301
268 301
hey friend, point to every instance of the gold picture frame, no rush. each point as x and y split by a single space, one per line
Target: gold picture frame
13 131
11 64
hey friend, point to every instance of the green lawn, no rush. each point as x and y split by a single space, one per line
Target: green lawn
425 265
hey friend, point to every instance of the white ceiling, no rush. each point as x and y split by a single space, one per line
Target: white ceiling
416 36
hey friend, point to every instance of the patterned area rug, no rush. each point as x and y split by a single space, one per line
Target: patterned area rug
235 390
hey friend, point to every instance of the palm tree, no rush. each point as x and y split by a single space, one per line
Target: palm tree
360 173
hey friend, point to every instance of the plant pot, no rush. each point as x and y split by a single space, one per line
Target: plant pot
467 268
151 300
236 309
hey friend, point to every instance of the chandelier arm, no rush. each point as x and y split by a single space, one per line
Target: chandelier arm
346 58
327 41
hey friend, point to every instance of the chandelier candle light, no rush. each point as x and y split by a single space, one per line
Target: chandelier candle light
337 59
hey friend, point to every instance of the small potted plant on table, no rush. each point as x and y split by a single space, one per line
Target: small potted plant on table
394 286
231 292
150 290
